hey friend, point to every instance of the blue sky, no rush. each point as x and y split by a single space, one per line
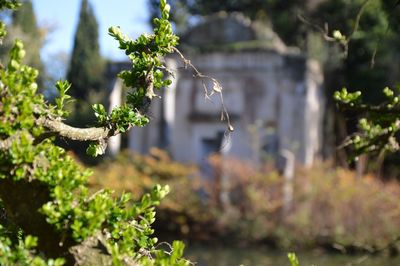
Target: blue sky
130 15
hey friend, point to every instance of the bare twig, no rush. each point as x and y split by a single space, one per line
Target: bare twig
325 32
217 88
357 22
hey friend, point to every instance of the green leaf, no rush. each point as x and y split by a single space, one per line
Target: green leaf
30 241
338 35
96 149
100 113
293 259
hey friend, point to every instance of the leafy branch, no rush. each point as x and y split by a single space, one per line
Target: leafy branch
44 192
143 78
379 126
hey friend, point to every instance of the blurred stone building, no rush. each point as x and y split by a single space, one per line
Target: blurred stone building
272 92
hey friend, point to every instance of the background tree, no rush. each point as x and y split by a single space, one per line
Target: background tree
368 60
86 68
24 26
282 15
86 74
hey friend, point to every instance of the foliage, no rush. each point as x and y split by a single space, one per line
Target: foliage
294 261
24 26
366 30
145 54
48 207
379 126
331 207
9 4
137 174
282 14
23 252
370 39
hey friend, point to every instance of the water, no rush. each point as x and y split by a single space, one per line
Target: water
223 256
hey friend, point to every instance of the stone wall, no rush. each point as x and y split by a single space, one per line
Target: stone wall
273 105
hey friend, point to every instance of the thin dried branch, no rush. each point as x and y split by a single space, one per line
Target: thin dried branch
358 18
217 88
325 32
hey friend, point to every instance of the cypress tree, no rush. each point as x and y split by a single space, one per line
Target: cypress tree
86 67
85 73
24 26
25 18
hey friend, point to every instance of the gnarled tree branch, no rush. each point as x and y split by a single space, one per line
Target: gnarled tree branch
74 133
55 127
58 128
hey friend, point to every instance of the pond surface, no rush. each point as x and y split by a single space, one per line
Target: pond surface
222 256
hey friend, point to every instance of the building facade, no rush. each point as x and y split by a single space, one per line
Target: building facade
272 93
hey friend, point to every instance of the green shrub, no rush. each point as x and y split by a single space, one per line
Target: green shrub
47 208
331 207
